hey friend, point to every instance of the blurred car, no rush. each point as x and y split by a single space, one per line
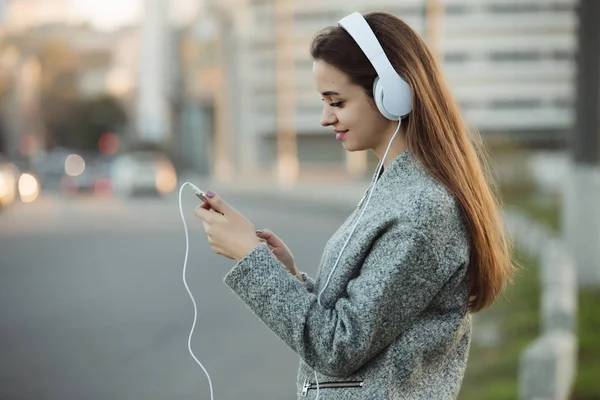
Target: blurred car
87 174
18 182
28 179
50 166
143 172
8 183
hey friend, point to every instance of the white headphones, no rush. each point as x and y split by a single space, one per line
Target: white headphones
392 94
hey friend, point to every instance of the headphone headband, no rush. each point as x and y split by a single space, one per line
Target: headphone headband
395 99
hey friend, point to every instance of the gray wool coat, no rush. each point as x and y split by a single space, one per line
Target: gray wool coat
393 322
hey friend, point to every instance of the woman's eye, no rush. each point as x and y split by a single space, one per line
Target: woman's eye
336 104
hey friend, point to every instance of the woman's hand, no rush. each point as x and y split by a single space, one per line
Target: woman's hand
229 233
280 251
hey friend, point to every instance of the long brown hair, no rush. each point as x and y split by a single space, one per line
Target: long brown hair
438 137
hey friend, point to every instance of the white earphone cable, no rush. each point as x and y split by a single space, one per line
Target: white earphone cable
371 190
187 247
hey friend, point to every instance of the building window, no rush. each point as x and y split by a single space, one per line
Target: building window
513 104
501 56
563 55
514 8
468 104
456 9
563 102
561 7
522 7
456 57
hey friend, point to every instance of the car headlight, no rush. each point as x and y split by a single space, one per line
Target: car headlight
3 186
29 188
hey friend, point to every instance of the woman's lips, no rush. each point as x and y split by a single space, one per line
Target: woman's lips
339 135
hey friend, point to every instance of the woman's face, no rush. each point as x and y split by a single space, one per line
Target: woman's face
352 114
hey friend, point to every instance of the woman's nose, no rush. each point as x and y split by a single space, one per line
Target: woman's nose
327 118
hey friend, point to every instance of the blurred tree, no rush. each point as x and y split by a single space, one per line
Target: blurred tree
59 91
70 120
93 117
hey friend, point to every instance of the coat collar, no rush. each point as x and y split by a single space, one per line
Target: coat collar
403 164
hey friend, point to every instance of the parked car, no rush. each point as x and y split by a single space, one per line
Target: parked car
87 173
143 172
18 181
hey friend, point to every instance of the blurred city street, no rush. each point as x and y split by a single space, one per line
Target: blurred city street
108 107
93 305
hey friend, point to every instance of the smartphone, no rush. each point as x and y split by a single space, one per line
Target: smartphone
201 195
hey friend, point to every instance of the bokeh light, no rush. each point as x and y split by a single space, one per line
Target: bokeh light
74 165
108 143
29 188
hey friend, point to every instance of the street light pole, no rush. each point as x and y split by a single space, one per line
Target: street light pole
434 19
582 197
287 158
224 168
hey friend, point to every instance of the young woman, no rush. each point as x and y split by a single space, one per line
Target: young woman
389 314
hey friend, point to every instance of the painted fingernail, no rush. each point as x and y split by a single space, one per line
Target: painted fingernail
259 231
210 194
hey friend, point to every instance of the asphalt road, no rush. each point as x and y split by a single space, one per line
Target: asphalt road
92 303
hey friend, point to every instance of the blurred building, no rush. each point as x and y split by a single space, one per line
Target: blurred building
94 55
217 81
75 57
130 60
21 15
153 122
510 64
20 116
195 85
122 76
124 67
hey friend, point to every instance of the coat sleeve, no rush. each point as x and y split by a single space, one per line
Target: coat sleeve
398 279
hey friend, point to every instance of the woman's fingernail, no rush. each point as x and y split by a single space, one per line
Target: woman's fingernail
259 231
210 194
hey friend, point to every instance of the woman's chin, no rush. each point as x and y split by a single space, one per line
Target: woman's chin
352 147
348 148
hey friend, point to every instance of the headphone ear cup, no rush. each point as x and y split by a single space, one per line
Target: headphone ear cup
378 97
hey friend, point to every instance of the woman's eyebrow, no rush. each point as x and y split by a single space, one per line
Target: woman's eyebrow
330 93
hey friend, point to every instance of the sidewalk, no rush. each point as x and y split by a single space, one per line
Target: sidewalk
332 193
